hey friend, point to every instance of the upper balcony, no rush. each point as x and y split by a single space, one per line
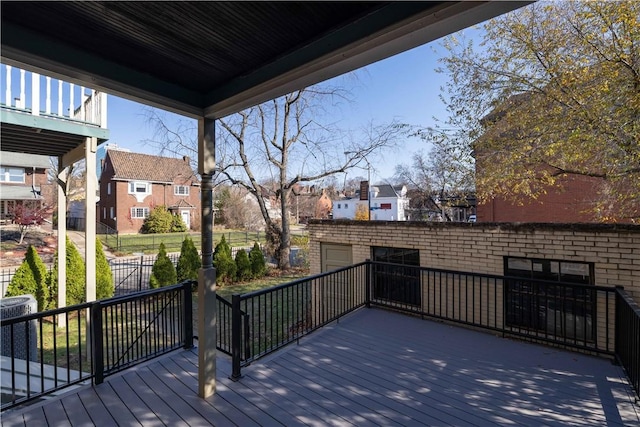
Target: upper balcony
54 116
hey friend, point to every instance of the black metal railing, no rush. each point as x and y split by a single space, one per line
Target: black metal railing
48 351
141 326
573 316
569 315
44 352
266 320
628 337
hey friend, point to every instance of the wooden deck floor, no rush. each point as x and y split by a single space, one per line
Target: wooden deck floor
374 368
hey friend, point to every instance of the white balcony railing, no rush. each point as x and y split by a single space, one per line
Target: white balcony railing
59 100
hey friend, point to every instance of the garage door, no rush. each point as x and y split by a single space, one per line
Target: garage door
335 256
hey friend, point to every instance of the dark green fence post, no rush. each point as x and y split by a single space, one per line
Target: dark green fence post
188 314
236 338
96 343
140 272
367 291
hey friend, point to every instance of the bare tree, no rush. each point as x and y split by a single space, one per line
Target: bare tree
286 141
281 139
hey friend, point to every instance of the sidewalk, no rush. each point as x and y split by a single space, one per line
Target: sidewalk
77 237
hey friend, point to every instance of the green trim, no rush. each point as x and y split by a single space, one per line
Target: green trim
55 125
26 46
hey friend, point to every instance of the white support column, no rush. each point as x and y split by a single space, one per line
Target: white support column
90 228
35 94
90 215
62 244
207 305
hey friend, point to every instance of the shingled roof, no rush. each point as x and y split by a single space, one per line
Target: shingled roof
146 167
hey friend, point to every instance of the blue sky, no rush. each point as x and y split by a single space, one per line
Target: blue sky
404 87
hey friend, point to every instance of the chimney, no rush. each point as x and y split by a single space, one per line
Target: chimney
364 190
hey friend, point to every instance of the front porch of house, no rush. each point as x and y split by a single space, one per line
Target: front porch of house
372 367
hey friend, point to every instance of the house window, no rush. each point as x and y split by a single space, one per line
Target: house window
385 206
15 175
398 284
111 212
339 207
139 212
346 206
108 188
181 190
565 309
139 187
104 213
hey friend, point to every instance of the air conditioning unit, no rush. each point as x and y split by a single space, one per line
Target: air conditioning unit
24 342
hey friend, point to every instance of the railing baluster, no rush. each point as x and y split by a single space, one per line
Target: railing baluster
8 100
60 98
47 108
35 94
22 101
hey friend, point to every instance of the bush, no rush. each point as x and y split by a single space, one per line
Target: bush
177 224
258 264
158 221
76 276
104 275
223 262
189 262
31 278
243 266
163 273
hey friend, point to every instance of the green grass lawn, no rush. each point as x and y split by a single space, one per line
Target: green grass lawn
149 243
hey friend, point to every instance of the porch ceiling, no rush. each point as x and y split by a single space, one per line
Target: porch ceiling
216 58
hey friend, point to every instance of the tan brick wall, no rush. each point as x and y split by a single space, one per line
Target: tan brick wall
480 248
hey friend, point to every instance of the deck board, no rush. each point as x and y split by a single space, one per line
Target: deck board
373 368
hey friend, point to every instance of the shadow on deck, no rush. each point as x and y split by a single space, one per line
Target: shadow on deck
374 367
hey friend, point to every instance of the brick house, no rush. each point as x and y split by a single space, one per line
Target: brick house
132 184
571 201
22 177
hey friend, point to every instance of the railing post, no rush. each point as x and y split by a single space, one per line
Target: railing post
367 291
97 344
188 314
236 338
140 272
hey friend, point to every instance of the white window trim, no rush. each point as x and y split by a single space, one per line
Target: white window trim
134 211
177 190
6 175
140 196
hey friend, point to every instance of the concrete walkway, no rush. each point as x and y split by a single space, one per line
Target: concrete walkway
77 237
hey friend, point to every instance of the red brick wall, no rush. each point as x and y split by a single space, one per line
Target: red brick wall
573 203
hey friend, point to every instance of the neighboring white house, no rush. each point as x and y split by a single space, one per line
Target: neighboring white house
388 203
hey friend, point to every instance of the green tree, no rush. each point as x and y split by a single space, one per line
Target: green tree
163 273
223 262
31 278
189 261
159 220
76 277
243 265
553 93
257 261
104 275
